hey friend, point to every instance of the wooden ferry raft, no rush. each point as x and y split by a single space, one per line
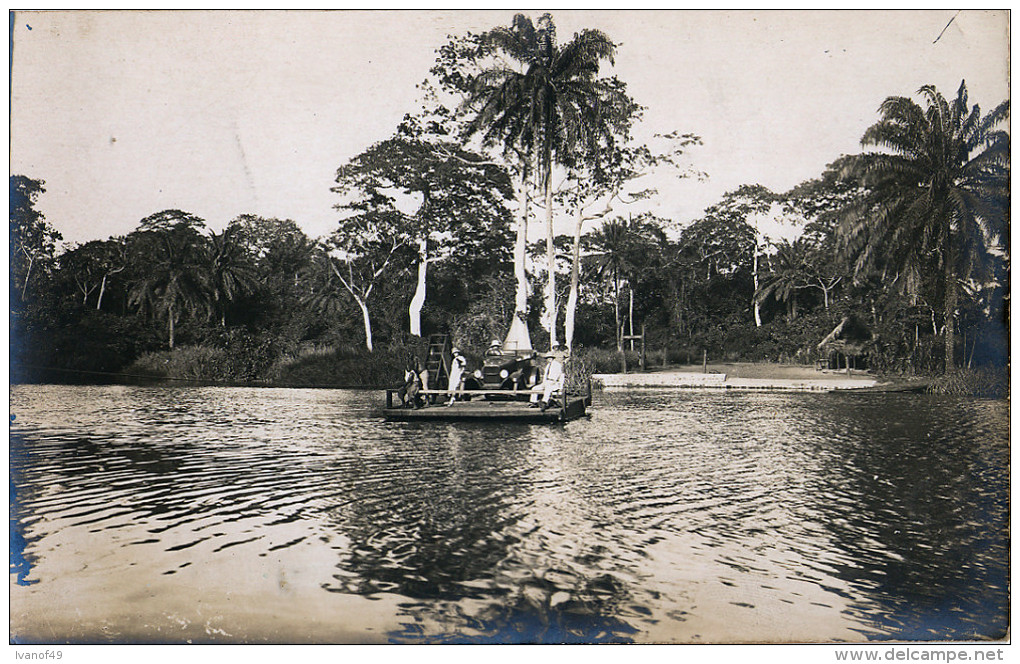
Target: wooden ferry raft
513 405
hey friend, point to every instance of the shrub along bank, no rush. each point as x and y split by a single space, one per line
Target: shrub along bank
350 366
253 361
985 382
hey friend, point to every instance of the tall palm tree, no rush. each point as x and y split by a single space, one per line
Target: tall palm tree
543 111
937 194
611 246
231 270
788 273
175 282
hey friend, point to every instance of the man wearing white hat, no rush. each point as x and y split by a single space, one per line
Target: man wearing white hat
552 380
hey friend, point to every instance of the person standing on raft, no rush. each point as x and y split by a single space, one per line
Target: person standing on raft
456 375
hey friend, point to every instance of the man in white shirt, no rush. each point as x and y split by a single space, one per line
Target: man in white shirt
552 380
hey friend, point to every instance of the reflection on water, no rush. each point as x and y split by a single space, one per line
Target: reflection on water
236 515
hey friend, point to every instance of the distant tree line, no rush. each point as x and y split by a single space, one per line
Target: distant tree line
908 242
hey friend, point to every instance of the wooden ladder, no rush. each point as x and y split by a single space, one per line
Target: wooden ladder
438 360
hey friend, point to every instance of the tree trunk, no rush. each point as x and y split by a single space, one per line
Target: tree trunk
24 286
520 255
681 305
86 292
616 311
550 250
950 311
575 269
418 301
518 336
913 350
630 313
754 298
170 316
368 322
102 289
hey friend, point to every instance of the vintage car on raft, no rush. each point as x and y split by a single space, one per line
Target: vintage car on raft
507 370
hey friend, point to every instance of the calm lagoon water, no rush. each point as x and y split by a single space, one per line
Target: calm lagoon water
224 515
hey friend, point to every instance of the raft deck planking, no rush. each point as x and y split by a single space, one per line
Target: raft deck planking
513 409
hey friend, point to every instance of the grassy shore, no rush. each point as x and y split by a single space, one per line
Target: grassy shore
754 370
353 367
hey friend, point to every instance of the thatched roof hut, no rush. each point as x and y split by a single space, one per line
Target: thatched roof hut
849 338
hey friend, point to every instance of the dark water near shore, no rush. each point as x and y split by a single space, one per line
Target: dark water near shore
260 515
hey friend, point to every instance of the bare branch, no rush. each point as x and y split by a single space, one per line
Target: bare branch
343 281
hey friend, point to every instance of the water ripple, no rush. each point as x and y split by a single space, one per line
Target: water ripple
665 516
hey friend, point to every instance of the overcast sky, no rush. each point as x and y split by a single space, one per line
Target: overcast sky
124 114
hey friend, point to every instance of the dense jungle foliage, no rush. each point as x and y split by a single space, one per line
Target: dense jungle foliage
902 257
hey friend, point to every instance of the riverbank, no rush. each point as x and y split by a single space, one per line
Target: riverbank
741 376
351 367
983 382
